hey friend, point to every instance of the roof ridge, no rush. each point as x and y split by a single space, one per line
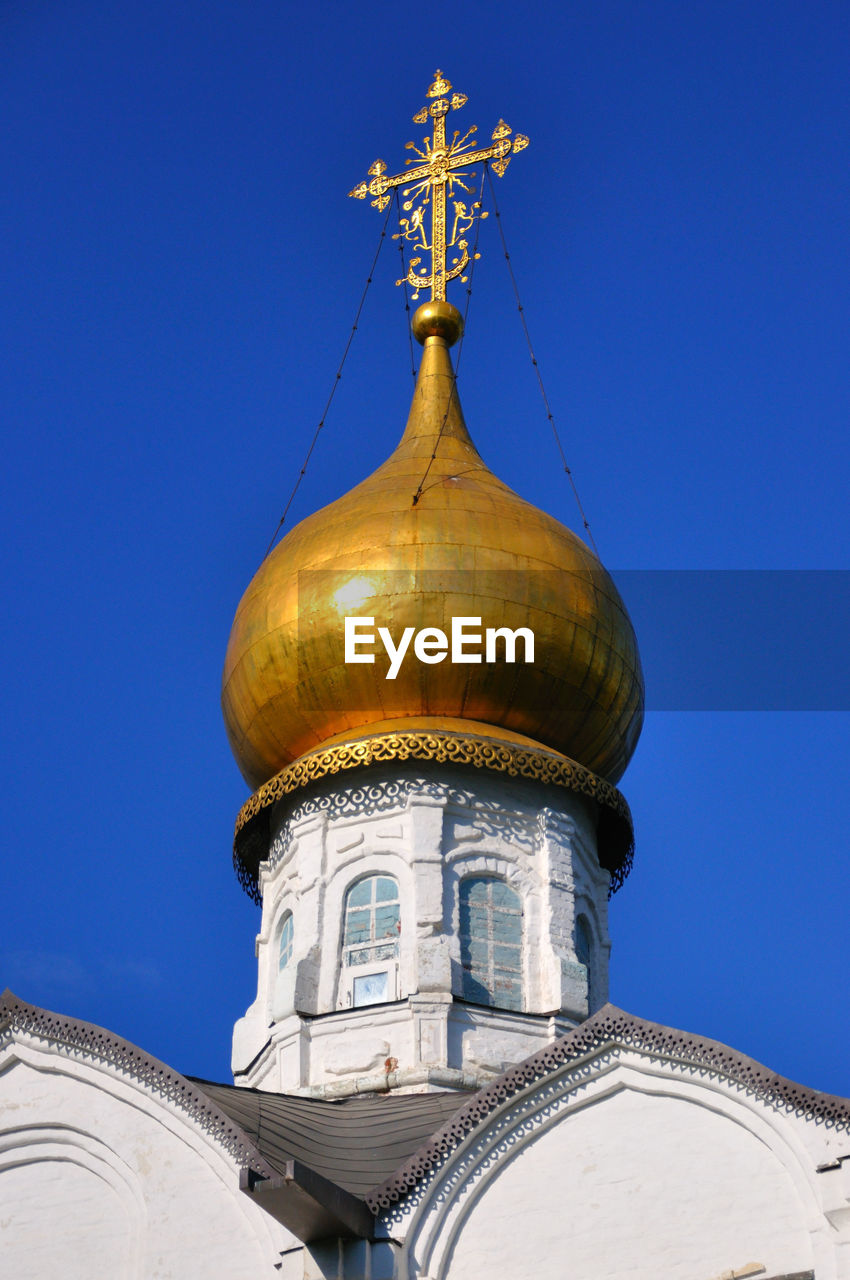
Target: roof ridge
113 1050
608 1026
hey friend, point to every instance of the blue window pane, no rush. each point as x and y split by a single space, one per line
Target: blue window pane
490 926
477 951
584 954
474 919
360 895
508 994
386 921
506 957
476 889
386 889
286 939
358 927
474 990
503 896
372 914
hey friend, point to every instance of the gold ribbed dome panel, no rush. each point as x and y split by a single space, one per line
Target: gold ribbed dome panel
469 546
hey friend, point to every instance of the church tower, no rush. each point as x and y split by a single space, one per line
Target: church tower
433 688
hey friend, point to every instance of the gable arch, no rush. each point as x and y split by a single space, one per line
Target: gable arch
587 907
49 1212
481 862
138 1132
727 1173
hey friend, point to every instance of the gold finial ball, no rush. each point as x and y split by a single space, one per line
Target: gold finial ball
437 320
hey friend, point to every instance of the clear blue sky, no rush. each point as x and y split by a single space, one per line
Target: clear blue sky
179 272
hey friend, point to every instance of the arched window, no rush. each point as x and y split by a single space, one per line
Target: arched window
584 954
491 942
370 940
286 940
283 981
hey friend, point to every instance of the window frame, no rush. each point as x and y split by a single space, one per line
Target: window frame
286 920
379 964
472 974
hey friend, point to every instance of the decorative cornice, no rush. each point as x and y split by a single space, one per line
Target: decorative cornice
611 1028
392 794
615 834
74 1039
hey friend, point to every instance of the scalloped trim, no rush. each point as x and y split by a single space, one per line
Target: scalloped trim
610 1027
441 748
77 1038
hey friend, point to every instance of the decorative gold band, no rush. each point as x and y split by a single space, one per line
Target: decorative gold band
615 834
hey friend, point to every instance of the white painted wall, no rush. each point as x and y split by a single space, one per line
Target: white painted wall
625 1168
100 1177
640 1185
429 827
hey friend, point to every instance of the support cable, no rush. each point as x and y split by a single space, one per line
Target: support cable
456 367
335 382
549 413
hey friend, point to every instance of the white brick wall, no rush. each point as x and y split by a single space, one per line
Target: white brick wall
428 827
631 1168
101 1178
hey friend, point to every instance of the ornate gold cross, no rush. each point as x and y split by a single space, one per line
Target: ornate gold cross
441 168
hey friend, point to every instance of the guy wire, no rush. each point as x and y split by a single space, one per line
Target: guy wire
335 382
549 413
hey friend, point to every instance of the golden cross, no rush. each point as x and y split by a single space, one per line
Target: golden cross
441 168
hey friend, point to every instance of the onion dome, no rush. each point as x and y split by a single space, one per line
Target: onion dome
409 554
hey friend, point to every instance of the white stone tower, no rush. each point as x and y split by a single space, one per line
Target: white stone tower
433 838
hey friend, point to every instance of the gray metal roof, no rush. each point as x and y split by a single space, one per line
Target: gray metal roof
358 1143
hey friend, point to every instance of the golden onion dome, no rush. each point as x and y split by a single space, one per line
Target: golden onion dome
468 547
